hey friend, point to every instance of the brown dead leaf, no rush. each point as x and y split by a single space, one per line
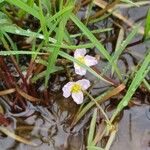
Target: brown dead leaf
27 96
8 91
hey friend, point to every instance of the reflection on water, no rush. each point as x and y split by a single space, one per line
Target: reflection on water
47 127
134 130
50 130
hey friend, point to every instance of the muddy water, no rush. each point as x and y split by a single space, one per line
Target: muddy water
134 127
134 130
48 128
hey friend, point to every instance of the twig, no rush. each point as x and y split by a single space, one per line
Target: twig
117 14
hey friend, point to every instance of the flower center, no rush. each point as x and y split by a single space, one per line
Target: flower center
76 88
81 59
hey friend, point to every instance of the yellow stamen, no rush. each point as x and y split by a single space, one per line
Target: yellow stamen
76 88
81 59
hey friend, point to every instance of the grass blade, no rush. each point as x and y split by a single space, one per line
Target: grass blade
24 7
147 26
43 73
94 148
65 55
53 56
100 99
19 31
7 53
92 128
130 2
119 49
93 39
119 41
43 23
140 75
146 84
16 137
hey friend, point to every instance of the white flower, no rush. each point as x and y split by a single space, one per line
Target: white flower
75 89
80 55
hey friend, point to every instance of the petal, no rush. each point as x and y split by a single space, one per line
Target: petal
76 66
79 70
67 89
79 52
90 61
78 97
85 84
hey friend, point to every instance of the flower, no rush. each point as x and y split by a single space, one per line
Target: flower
80 55
75 89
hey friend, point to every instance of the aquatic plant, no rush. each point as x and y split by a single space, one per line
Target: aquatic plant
80 55
75 89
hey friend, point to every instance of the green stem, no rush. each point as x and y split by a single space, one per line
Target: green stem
111 139
101 109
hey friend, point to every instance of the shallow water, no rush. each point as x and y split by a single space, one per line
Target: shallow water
48 128
134 130
51 131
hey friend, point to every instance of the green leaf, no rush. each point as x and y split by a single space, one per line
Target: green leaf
52 58
7 53
147 26
43 23
43 73
146 84
97 43
92 128
94 148
1 1
24 7
130 2
62 12
65 55
47 5
121 47
19 31
4 20
139 76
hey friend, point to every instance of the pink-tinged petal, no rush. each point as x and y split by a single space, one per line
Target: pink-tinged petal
78 97
79 52
85 84
90 61
76 66
80 71
67 89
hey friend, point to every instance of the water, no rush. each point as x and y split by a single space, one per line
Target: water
134 130
47 127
